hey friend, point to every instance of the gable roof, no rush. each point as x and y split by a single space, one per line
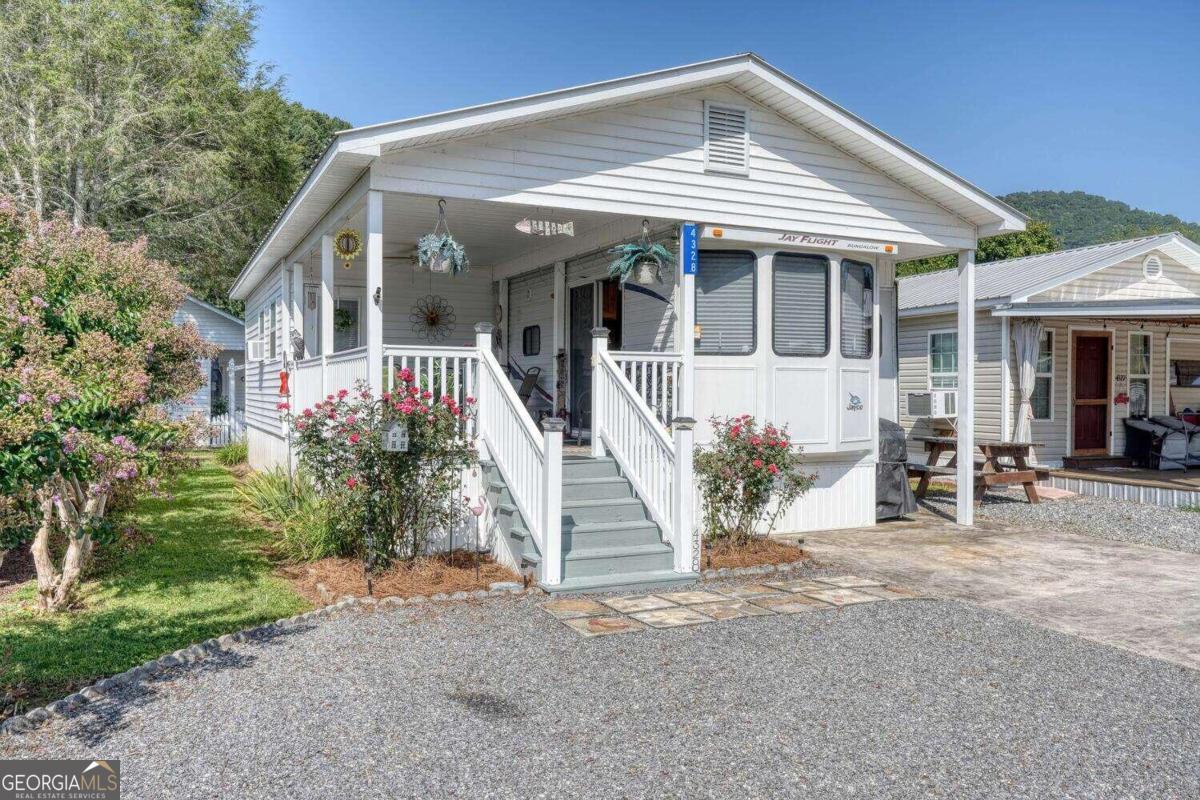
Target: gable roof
209 306
1016 279
353 150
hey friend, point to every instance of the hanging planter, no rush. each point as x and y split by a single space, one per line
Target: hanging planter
438 252
642 260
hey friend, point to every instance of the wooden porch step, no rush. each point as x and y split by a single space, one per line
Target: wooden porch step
1096 462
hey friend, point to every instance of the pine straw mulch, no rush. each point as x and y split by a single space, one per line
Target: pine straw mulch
324 581
754 553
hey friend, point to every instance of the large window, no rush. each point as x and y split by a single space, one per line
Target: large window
800 292
1139 374
1042 399
858 309
725 286
943 360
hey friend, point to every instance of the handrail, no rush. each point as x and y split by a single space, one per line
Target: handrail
631 432
644 355
655 376
346 355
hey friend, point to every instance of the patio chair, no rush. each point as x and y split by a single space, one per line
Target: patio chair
528 384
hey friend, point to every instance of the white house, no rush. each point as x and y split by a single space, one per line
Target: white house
788 213
1069 343
222 381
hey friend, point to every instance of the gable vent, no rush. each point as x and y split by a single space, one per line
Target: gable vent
726 139
1152 267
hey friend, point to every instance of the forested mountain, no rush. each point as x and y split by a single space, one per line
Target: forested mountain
1078 218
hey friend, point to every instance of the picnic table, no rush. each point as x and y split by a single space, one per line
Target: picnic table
989 470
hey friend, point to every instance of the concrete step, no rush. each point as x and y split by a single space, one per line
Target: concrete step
576 512
642 581
596 488
593 535
612 561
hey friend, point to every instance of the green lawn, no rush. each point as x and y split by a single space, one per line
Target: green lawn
202 573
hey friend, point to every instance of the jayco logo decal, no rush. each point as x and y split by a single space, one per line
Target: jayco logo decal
855 404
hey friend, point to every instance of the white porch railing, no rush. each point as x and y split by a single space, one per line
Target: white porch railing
344 370
625 425
655 378
308 382
443 371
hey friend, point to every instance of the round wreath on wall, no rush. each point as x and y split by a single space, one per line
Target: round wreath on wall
432 317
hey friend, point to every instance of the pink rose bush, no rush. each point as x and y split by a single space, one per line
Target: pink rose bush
385 505
748 475
88 353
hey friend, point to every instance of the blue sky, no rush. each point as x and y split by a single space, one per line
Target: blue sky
1101 97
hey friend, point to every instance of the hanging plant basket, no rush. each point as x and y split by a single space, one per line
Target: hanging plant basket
641 260
438 251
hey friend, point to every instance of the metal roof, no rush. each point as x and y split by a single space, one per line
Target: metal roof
1016 278
352 151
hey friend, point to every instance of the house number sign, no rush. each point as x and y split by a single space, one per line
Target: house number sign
395 438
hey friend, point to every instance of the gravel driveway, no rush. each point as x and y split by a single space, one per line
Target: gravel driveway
1118 520
899 699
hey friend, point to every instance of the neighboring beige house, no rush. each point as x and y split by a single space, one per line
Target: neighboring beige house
1103 333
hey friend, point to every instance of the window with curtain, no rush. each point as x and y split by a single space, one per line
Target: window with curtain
1042 398
725 286
1139 374
800 293
858 309
943 360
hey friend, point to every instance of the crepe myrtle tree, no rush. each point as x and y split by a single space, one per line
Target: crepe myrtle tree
88 355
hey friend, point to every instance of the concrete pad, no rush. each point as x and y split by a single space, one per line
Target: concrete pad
572 608
691 598
790 604
732 609
672 617
797 585
603 626
842 597
750 591
850 581
1143 599
644 602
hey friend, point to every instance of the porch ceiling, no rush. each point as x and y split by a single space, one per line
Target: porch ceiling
486 228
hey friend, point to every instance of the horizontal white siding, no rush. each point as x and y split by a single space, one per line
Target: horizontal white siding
647 158
262 377
1127 281
213 327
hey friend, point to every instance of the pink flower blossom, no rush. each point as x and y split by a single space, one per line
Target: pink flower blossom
308 412
350 420
354 438
771 468
39 302
756 440
53 399
351 482
426 395
758 462
24 319
283 406
342 394
23 398
406 375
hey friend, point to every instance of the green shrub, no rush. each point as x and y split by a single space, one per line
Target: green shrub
307 524
233 454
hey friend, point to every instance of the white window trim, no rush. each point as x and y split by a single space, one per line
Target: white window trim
929 361
273 333
1149 375
725 168
1050 374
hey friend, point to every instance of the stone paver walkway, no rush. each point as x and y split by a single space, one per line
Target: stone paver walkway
1139 598
630 613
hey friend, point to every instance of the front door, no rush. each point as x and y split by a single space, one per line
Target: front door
583 301
1089 395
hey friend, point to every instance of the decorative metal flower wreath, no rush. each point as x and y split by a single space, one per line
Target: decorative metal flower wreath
347 244
432 317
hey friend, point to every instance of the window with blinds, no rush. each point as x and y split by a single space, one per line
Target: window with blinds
725 285
858 309
800 293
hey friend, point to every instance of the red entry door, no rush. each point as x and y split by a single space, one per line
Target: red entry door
1090 398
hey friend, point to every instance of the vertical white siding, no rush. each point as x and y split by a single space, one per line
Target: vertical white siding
531 302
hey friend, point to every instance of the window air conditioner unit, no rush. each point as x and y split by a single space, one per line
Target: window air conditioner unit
937 403
256 350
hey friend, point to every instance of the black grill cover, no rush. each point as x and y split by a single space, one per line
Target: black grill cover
893 495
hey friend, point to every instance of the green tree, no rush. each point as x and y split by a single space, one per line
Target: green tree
147 117
1035 239
1078 219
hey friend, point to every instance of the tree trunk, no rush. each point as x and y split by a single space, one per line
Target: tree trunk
56 589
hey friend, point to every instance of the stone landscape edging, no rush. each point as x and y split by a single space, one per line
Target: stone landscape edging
201 651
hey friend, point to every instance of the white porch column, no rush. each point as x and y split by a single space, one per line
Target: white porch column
1005 380
505 345
552 438
285 315
686 305
326 344
599 345
375 292
556 341
966 388
299 347
687 550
